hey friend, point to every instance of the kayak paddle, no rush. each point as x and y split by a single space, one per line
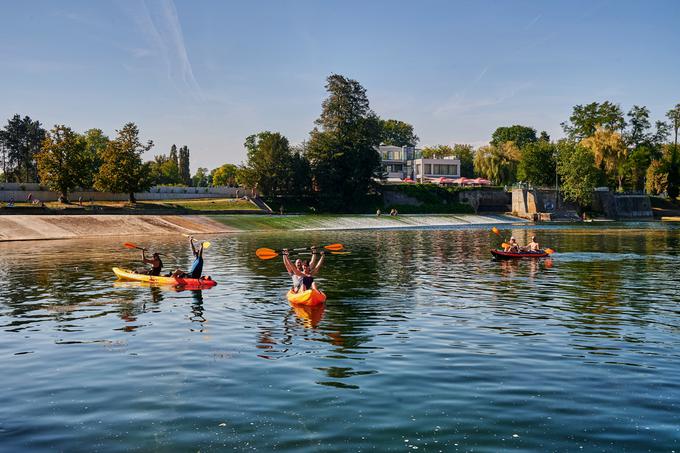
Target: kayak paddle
133 246
494 230
267 253
549 251
205 244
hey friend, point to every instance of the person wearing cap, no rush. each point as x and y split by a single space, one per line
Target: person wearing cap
512 246
155 262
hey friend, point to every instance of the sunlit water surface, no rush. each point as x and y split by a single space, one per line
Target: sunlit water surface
425 343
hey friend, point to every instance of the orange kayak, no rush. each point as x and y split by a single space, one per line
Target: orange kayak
126 274
309 297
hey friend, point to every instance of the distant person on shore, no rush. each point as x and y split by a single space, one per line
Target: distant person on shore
196 267
155 262
378 213
393 212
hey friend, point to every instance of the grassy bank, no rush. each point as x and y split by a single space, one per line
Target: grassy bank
181 206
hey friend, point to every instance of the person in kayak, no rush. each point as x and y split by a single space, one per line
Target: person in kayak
533 246
291 268
196 267
297 266
155 262
512 246
309 270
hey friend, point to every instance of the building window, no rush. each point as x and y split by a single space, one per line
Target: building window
445 170
428 169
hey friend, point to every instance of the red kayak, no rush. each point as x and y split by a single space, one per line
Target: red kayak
500 254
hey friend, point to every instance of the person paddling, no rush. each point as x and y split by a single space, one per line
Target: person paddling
298 266
309 270
155 262
512 246
533 246
196 267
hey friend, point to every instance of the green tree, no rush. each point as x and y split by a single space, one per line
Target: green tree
22 138
519 135
343 153
174 157
224 175
437 152
204 179
466 154
544 137
674 116
95 144
577 171
610 153
269 163
398 133
122 169
63 161
537 163
184 171
163 170
657 178
585 120
498 163
639 124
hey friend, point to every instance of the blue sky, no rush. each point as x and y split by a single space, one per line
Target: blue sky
206 74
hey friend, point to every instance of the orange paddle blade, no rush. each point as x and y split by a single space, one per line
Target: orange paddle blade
132 246
334 247
505 245
494 230
549 251
265 253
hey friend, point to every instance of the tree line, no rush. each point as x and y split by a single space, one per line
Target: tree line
63 159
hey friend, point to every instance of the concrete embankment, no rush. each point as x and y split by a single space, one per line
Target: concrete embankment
36 227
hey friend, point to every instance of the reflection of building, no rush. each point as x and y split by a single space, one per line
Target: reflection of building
399 163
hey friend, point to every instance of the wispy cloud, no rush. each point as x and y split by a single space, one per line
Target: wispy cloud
533 22
159 21
458 104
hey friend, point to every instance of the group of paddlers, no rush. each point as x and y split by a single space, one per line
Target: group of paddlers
513 247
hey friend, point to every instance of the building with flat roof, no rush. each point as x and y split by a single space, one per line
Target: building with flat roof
402 162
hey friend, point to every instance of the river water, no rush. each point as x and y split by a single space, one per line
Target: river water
425 344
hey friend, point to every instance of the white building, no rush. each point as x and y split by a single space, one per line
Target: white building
399 163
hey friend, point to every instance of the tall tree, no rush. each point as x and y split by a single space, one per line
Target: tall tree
585 119
498 163
163 170
466 154
269 163
22 138
398 133
122 169
95 142
173 155
184 170
202 178
609 151
674 116
638 122
343 152
63 161
224 175
537 163
519 135
577 171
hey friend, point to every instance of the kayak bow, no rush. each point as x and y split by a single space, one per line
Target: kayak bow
309 297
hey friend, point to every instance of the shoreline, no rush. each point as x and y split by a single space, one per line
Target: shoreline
80 226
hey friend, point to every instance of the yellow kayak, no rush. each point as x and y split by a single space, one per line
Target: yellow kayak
309 297
126 274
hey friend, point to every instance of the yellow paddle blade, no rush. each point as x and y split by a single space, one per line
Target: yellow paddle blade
494 230
265 253
340 253
505 245
334 247
206 244
549 251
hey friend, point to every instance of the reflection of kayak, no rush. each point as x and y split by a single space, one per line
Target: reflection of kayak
309 297
126 274
310 314
500 254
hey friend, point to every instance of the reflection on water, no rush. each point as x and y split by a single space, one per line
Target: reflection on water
425 341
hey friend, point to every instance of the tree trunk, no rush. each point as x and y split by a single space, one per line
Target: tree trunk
132 198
